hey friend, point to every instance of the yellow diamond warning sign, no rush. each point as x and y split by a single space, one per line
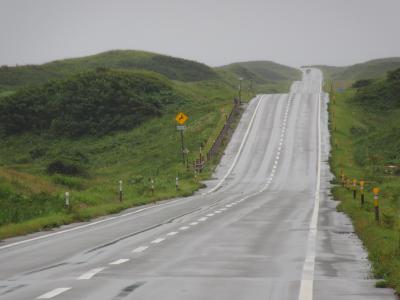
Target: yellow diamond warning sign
181 118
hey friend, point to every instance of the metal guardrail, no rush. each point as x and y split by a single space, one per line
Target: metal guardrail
218 141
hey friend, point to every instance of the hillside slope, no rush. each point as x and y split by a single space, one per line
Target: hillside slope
371 69
94 102
171 67
261 76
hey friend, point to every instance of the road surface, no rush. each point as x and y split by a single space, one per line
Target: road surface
265 228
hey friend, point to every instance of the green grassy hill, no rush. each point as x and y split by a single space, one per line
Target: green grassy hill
171 67
261 75
371 69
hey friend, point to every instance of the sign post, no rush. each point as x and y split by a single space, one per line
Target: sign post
181 118
354 189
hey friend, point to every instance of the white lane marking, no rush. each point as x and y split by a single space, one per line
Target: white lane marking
217 212
194 223
172 233
210 215
54 293
183 228
240 149
119 261
223 209
139 249
228 205
156 241
307 278
202 219
90 274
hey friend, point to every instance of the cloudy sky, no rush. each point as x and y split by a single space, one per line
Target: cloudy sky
216 32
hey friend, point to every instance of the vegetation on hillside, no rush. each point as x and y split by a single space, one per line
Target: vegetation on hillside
371 69
366 147
260 75
171 67
94 103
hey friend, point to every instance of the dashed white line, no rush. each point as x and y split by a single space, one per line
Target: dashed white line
54 293
90 274
183 228
139 249
217 212
193 223
119 261
202 219
210 215
172 233
156 241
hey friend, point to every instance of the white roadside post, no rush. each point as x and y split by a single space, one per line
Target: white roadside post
120 191
67 199
177 183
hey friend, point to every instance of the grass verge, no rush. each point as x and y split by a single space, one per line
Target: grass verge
351 129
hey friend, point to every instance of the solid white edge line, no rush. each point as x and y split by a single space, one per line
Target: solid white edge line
307 278
54 293
90 274
86 225
240 149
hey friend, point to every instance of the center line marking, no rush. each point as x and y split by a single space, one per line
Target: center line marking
194 223
203 219
119 261
172 233
210 215
139 249
183 228
90 274
54 293
156 241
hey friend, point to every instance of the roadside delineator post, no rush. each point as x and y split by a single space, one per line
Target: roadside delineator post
120 191
177 183
152 186
354 189
67 199
362 192
376 203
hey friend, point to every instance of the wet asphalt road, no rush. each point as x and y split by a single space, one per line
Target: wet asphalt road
265 228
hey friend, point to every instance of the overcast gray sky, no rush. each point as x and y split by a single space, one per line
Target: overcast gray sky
216 32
